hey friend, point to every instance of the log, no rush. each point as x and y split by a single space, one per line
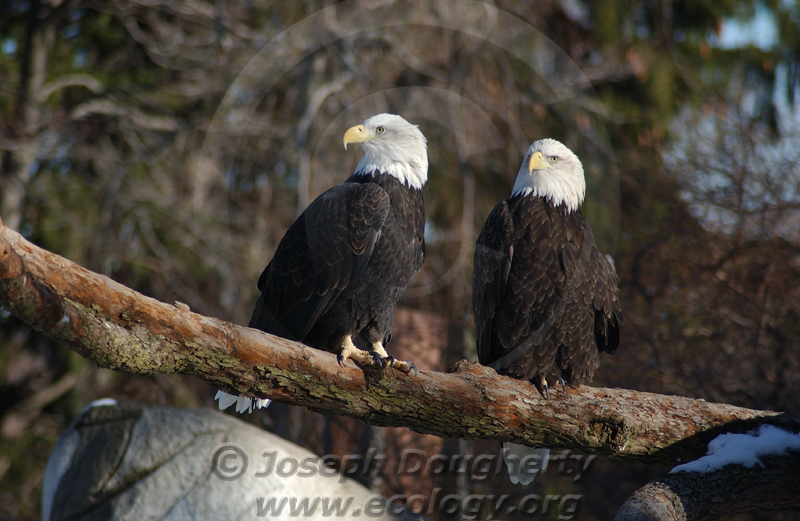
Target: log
733 489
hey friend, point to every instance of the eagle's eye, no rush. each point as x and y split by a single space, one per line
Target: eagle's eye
380 130
554 159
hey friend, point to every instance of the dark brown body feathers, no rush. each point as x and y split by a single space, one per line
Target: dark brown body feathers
341 267
544 297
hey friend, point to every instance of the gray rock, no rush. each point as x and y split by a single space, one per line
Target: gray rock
132 461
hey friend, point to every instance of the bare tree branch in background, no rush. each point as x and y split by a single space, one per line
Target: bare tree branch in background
315 99
29 112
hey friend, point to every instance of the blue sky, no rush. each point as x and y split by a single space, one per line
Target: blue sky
760 31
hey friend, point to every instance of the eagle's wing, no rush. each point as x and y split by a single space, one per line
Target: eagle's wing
592 288
325 250
492 261
607 309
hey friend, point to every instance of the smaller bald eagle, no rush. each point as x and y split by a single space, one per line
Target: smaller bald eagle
340 269
545 299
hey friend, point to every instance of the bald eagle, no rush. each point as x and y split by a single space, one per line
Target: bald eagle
545 299
341 267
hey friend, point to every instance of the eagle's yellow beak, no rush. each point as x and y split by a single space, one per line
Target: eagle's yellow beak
357 134
536 162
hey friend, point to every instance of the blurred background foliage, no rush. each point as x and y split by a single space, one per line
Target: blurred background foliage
169 144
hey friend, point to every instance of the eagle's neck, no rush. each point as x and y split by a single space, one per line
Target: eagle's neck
411 172
558 189
390 183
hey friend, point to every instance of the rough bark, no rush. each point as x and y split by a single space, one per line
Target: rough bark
733 489
122 330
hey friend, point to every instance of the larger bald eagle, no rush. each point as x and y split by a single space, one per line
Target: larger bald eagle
341 267
545 299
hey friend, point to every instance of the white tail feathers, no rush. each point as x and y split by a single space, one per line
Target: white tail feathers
524 463
243 403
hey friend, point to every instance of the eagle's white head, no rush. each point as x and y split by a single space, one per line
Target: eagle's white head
393 146
552 171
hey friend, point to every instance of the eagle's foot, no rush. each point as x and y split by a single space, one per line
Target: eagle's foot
378 349
379 362
403 366
541 384
380 359
563 384
350 351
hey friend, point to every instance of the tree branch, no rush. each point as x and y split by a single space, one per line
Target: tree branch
70 80
108 107
122 330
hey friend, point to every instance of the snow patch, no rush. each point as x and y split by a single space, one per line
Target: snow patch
742 449
102 402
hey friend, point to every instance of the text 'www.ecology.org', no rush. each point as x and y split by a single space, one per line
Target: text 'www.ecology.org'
467 507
